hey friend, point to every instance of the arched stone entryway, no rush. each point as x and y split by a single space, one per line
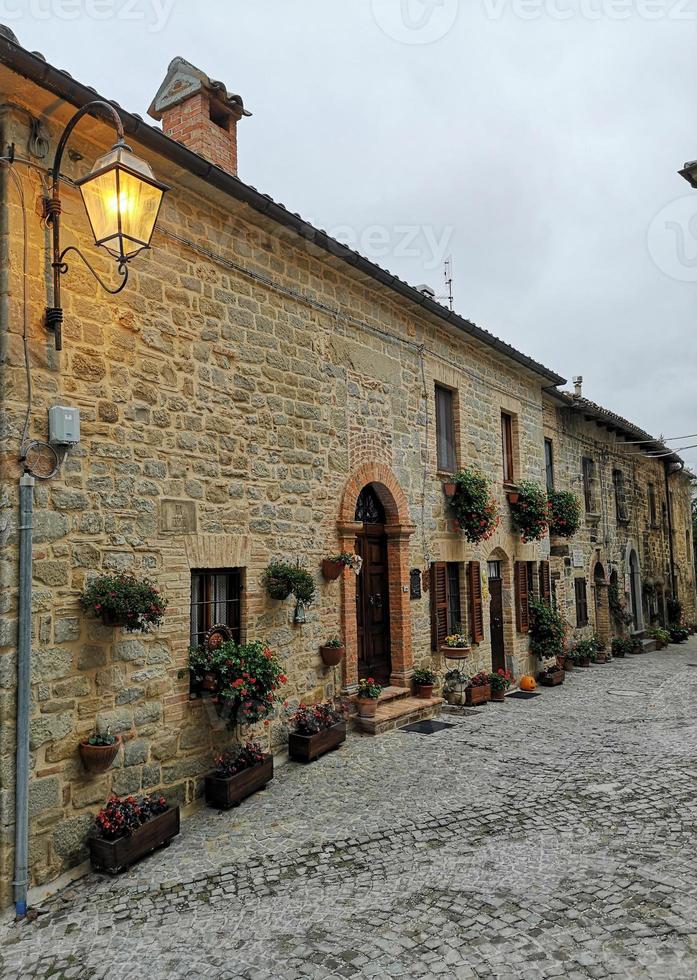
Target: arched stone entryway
635 588
501 629
353 535
601 604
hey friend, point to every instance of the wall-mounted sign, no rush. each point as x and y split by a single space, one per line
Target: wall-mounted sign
577 558
415 583
177 516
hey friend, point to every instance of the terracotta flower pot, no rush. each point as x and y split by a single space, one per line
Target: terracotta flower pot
278 589
112 619
332 570
513 496
331 656
424 690
454 653
367 707
498 695
569 664
449 489
98 758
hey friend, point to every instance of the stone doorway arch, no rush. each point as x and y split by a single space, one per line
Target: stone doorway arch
601 604
635 588
398 530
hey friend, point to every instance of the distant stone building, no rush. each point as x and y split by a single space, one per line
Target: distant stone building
259 391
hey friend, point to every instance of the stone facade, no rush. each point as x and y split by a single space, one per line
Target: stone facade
235 398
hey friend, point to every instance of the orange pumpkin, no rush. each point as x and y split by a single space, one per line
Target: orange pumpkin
527 683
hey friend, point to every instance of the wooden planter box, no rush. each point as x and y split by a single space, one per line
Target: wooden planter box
114 856
306 748
478 695
552 680
224 793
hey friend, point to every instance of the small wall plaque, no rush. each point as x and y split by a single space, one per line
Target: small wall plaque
415 583
577 558
177 516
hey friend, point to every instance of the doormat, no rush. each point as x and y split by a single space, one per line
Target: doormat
427 727
524 694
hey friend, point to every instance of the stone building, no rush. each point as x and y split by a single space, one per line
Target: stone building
259 391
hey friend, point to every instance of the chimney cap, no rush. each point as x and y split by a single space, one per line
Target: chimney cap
183 80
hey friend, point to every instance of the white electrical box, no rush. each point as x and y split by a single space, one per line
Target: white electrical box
63 425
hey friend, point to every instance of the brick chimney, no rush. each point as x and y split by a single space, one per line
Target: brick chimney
200 113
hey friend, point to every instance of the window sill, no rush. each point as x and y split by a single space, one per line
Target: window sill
592 518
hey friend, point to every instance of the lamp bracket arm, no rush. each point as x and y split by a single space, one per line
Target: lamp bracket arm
89 107
62 266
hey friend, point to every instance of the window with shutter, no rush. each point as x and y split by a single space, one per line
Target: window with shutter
620 496
581 602
549 465
507 447
588 470
476 610
215 601
521 596
445 430
454 608
439 603
545 582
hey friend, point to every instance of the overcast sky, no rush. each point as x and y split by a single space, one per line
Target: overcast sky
535 141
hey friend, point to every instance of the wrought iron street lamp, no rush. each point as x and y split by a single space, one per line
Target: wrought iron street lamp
122 199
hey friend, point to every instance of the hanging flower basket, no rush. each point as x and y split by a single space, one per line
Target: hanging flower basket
331 569
124 600
565 513
332 653
99 751
475 510
449 489
530 512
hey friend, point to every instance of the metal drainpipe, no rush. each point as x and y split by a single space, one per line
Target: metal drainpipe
26 513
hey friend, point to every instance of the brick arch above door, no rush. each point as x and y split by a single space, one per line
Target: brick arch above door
398 530
387 488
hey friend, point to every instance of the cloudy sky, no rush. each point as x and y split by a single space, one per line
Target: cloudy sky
534 141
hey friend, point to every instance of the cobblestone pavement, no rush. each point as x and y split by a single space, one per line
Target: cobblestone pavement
549 837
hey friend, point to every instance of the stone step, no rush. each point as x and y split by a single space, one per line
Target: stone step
388 694
647 646
398 712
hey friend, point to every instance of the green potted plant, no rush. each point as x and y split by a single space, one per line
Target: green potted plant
333 567
499 682
128 828
570 659
530 512
583 652
564 513
282 579
478 690
316 729
247 678
547 630
123 600
456 646
551 676
332 652
660 635
239 772
621 646
472 503
99 751
424 679
367 698
678 634
454 688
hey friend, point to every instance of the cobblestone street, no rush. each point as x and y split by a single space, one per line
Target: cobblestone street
549 837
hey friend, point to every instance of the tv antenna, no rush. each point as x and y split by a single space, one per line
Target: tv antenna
448 276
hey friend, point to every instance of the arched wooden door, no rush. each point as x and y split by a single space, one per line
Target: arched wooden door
372 590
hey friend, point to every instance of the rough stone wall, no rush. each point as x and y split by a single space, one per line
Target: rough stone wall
604 538
226 396
223 412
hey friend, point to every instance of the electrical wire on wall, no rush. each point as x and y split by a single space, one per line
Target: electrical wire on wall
424 456
39 457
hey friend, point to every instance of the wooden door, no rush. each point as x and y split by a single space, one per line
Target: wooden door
373 605
498 652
